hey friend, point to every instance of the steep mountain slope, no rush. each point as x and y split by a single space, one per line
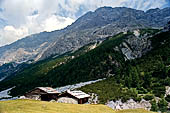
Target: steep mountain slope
26 49
106 22
103 61
10 69
92 26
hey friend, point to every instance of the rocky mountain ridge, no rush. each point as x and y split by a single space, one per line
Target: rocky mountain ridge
93 26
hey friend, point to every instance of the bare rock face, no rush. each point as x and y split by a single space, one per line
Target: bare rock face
135 46
93 26
25 49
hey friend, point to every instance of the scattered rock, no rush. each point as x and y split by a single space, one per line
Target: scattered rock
130 104
137 33
167 91
22 97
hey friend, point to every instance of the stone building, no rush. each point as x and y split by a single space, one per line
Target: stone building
42 93
74 97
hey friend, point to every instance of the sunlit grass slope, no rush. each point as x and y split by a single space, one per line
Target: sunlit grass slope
30 106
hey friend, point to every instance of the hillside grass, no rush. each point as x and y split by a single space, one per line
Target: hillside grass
32 106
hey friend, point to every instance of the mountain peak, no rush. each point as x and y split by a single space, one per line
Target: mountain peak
97 25
153 10
104 8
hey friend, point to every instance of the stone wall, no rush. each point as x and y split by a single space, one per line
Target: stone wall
67 100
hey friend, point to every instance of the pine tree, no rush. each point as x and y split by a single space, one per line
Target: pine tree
128 81
147 80
163 105
135 78
154 106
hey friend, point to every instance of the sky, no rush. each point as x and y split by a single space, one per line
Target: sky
20 18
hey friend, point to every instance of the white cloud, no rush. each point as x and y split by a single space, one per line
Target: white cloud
18 32
144 4
10 34
56 22
25 17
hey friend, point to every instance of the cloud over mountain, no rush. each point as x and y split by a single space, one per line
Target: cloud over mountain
25 17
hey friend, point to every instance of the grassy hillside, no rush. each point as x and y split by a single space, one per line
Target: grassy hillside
29 106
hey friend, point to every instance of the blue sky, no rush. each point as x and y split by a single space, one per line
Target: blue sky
20 18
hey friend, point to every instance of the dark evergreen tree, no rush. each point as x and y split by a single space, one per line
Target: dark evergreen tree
162 104
147 80
154 106
167 98
135 77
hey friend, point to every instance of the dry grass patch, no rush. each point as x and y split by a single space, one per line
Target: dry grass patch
32 106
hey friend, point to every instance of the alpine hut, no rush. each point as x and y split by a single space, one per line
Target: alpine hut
73 97
42 93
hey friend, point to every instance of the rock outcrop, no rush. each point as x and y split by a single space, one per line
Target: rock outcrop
130 104
167 91
135 46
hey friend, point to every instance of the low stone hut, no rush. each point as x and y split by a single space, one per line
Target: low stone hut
73 97
42 93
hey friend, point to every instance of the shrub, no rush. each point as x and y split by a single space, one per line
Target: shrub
154 106
148 97
142 90
138 98
167 98
162 104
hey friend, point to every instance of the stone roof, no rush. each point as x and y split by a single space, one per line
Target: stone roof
78 94
48 90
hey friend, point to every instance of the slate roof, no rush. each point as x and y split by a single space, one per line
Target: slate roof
78 94
48 90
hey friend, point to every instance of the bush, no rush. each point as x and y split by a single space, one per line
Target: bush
159 91
167 98
142 90
138 98
162 104
148 97
154 106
